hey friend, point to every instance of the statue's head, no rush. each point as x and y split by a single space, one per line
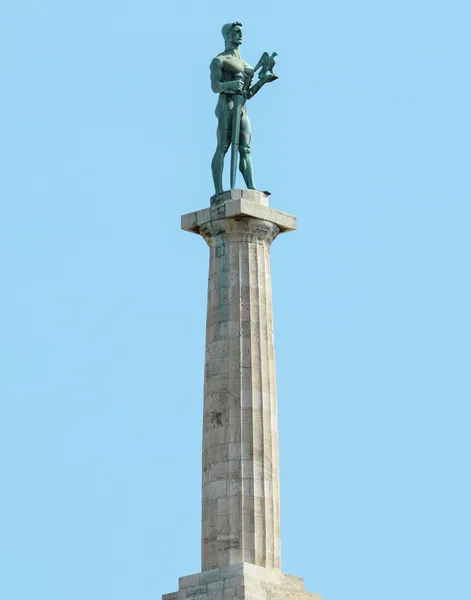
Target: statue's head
232 34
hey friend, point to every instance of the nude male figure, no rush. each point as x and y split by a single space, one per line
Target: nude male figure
231 74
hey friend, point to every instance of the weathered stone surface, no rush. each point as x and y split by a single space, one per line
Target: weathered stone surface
241 502
241 505
238 203
243 581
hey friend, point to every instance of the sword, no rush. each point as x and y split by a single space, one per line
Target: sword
236 114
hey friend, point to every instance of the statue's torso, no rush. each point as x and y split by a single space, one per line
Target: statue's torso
231 66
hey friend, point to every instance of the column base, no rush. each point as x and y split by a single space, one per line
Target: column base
242 581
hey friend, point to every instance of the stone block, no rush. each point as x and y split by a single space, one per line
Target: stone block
211 576
172 596
189 580
242 581
195 590
215 590
229 572
238 203
234 581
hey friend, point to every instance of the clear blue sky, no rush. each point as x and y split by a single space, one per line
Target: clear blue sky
107 132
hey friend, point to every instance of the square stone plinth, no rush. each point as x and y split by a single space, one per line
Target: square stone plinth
242 581
238 203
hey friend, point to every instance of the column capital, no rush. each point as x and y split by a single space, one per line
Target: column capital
238 230
238 203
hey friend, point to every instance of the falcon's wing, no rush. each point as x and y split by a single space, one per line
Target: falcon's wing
263 61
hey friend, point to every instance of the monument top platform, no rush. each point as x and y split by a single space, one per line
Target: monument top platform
238 203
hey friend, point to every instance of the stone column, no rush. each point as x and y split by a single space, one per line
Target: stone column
241 503
240 440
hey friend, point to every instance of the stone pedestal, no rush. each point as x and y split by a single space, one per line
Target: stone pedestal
241 502
243 581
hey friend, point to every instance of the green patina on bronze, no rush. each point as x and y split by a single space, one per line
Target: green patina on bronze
231 78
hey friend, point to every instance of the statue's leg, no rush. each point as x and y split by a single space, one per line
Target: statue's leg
245 165
224 141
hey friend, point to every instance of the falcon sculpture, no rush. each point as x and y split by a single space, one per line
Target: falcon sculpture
266 64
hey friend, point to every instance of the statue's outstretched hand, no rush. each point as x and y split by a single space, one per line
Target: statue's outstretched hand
269 77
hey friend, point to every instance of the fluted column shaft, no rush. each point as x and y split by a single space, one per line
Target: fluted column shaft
241 506
241 515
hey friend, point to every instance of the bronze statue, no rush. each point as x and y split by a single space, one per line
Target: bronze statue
231 78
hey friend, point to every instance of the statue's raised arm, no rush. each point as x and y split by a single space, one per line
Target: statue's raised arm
231 78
